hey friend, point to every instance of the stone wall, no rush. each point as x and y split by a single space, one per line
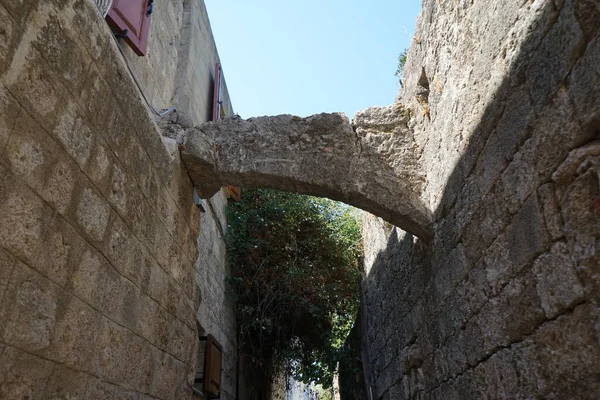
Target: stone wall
100 276
504 303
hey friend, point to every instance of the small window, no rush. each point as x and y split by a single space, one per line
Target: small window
130 20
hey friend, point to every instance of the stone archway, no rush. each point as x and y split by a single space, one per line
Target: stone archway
372 165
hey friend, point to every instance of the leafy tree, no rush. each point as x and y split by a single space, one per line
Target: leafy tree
295 269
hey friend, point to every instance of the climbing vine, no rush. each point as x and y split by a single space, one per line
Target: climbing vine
295 271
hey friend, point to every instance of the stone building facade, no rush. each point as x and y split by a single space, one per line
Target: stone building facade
504 302
108 270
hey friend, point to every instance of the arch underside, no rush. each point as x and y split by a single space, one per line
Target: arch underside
321 155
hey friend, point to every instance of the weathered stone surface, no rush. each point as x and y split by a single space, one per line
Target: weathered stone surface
92 214
22 375
96 212
319 155
504 113
23 218
557 283
66 383
29 313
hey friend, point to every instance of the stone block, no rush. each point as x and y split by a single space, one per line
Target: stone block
31 82
584 85
526 235
101 285
60 184
65 55
75 134
158 283
168 212
23 219
466 386
19 9
22 375
163 249
99 167
496 377
476 345
10 111
146 323
92 213
518 181
7 265
570 356
160 335
530 373
96 99
558 286
552 215
146 369
498 264
60 252
74 339
119 244
29 310
138 211
516 312
121 186
30 153
10 37
113 341
588 15
554 58
131 304
487 224
166 374
90 29
579 214
66 383
100 390
181 339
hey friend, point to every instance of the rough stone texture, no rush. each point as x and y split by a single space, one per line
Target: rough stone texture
373 166
98 229
503 99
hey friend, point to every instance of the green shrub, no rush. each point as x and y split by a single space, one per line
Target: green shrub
295 270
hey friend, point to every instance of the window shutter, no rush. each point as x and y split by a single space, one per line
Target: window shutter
212 368
131 19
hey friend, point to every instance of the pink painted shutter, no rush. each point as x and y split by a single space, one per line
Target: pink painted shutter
132 16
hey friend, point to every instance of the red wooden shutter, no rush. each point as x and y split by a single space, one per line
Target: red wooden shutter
132 16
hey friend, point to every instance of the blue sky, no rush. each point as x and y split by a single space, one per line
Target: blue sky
310 56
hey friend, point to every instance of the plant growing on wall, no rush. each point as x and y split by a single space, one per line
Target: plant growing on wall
401 63
295 269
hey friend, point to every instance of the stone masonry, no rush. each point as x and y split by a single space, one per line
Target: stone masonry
504 302
101 275
371 165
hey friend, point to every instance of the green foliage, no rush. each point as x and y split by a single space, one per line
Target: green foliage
401 63
295 269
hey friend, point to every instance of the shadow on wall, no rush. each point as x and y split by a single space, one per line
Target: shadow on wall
495 306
